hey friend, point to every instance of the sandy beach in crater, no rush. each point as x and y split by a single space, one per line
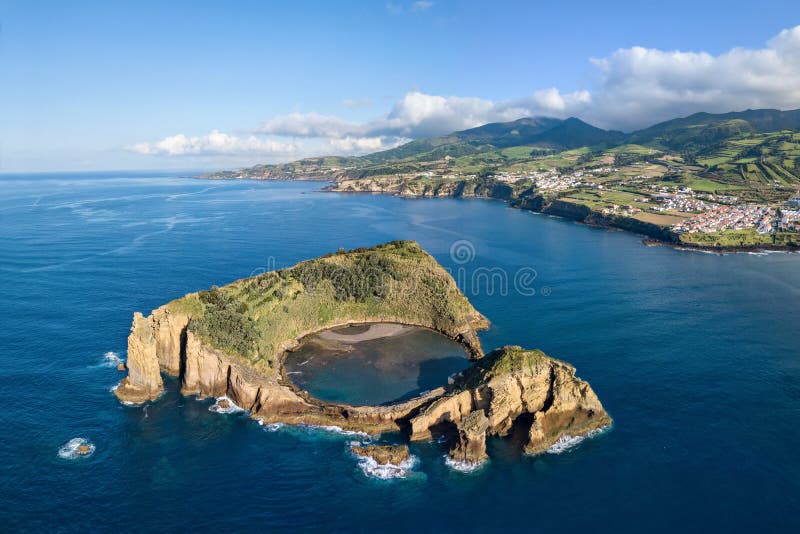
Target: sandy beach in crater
374 331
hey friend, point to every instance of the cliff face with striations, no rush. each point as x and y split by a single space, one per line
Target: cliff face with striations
470 446
516 386
213 345
154 345
232 339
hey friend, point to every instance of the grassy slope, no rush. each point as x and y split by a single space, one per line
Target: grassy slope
752 155
254 318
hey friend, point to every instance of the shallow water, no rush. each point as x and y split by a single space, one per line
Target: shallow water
696 357
394 367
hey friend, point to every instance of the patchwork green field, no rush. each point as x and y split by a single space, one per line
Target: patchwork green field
705 160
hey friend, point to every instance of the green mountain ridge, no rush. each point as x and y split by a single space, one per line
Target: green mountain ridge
504 143
665 181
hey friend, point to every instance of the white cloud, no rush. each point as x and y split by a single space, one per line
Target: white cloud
636 87
640 86
421 5
362 145
421 115
214 144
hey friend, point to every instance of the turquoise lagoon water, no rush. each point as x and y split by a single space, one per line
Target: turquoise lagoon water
696 356
377 370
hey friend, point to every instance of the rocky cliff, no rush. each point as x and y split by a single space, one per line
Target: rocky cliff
511 386
213 338
409 187
154 345
514 386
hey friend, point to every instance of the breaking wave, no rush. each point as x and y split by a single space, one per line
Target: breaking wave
270 427
110 359
567 442
371 468
333 429
74 449
230 408
328 429
464 467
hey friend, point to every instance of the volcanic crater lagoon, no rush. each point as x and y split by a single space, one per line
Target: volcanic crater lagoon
374 363
695 356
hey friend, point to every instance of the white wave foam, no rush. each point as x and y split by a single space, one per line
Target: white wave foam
336 430
567 442
701 251
231 408
463 467
71 449
110 359
330 429
371 468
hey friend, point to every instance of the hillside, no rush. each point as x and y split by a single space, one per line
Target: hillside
711 180
253 319
476 150
702 129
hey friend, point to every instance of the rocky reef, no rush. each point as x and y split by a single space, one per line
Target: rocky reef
383 454
230 342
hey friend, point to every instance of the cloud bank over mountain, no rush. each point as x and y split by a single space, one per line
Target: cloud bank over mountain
636 87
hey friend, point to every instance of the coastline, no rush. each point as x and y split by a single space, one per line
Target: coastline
652 234
484 399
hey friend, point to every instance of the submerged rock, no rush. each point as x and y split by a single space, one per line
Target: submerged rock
383 454
76 448
121 366
224 404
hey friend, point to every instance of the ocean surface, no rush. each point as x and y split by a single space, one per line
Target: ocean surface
696 357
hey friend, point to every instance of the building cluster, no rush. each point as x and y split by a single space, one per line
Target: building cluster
789 221
559 182
729 218
684 201
613 209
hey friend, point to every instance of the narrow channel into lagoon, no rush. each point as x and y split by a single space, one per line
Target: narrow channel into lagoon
374 364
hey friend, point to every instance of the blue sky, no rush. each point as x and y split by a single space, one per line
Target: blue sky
197 85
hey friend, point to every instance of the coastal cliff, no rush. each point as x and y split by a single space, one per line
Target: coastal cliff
213 343
466 188
515 386
248 325
518 196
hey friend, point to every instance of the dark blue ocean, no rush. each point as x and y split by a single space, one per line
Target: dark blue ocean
696 356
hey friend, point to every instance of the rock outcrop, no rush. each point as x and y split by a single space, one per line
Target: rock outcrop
511 386
471 445
143 382
383 454
155 344
511 383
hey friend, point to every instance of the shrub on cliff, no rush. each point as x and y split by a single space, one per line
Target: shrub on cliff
367 276
225 323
